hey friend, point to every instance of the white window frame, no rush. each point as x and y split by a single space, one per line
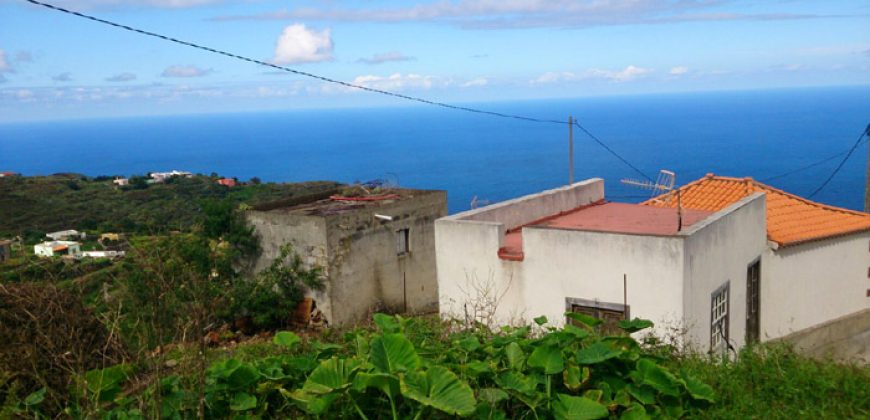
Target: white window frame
720 317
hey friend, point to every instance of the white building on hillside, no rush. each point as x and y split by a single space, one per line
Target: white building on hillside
64 235
163 176
716 272
57 248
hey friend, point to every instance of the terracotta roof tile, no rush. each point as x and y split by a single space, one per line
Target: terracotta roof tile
790 219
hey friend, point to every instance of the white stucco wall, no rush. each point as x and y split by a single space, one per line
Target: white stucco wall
718 250
808 284
562 264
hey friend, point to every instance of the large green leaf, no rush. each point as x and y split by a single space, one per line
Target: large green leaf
386 383
286 339
698 389
583 319
635 325
515 355
243 401
393 353
242 376
387 323
649 373
574 377
635 412
439 388
492 396
313 404
332 375
541 320
596 353
578 408
548 358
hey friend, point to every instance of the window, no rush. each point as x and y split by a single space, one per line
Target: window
719 318
610 313
403 245
753 302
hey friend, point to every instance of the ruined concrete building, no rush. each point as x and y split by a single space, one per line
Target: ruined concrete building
377 251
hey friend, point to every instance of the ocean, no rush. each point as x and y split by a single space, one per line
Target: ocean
747 133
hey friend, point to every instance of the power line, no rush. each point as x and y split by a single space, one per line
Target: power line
843 162
335 81
606 147
803 168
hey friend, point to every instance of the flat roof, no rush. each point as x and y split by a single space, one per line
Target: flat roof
633 219
333 202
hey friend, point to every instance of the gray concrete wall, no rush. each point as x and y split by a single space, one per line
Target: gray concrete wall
365 270
719 250
520 211
307 235
846 339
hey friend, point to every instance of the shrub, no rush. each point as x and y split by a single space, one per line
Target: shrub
47 338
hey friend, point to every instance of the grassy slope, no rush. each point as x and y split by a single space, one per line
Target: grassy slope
31 206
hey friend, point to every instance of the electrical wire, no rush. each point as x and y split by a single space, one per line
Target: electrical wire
843 162
803 168
331 80
612 152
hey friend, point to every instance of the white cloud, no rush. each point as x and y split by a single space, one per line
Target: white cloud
398 81
627 74
4 63
676 71
555 76
385 57
298 44
121 77
480 81
185 71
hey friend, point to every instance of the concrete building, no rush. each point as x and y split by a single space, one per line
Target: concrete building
103 254
740 261
815 268
57 248
163 176
64 235
121 182
377 252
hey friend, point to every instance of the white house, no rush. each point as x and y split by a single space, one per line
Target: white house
163 176
121 182
710 275
55 248
103 254
63 235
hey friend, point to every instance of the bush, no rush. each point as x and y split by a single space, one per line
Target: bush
48 337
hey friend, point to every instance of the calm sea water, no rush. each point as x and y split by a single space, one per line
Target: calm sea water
759 134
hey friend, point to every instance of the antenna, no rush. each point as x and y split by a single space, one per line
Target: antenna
664 183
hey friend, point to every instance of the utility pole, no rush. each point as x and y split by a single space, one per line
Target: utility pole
571 152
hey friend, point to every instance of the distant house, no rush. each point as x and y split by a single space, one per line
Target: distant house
56 248
738 262
227 182
110 237
8 174
103 254
163 176
121 182
376 252
64 235
5 250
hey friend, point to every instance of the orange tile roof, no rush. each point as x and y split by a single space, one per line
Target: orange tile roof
790 219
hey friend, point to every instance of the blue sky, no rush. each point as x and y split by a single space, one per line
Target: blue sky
55 66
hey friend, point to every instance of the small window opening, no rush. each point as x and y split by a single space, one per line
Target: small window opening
403 245
719 318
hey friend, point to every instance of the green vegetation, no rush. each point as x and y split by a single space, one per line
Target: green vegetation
32 206
142 337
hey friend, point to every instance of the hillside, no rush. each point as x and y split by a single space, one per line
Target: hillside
32 206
